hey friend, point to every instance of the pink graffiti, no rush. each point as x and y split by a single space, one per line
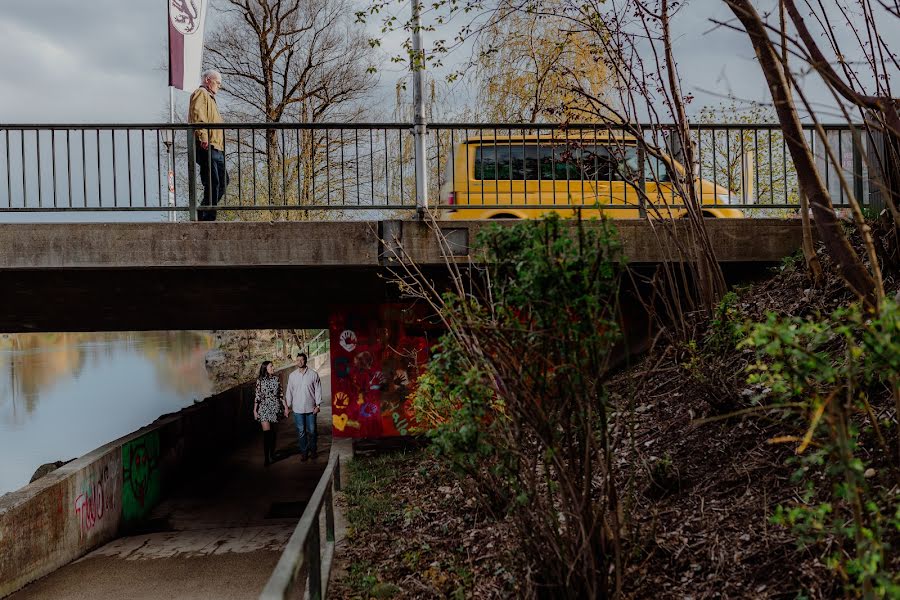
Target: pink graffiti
92 504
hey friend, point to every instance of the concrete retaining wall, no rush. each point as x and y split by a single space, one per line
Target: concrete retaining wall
110 491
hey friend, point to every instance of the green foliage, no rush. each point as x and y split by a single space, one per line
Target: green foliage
367 492
514 397
725 327
800 353
361 579
790 262
825 367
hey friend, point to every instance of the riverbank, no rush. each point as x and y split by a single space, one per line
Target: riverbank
237 354
726 489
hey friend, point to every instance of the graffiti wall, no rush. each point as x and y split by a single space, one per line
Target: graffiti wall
96 498
141 481
377 353
75 509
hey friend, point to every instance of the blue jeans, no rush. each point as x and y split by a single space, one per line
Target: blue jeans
306 431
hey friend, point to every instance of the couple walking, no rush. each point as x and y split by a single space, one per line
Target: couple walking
303 397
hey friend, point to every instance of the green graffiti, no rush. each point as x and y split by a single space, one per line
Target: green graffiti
401 424
141 477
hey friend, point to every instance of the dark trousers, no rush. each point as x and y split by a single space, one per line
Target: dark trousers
214 179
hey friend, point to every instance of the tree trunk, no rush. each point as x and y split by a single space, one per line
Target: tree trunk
811 186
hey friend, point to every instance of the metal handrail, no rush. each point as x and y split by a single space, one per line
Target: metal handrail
282 170
304 554
321 345
396 125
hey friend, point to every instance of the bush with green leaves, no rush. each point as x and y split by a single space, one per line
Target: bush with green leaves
515 397
838 372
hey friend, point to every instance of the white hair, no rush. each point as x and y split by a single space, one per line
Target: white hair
210 73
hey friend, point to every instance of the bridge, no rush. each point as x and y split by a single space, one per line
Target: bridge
100 236
145 276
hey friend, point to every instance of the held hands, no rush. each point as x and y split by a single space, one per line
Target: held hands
285 412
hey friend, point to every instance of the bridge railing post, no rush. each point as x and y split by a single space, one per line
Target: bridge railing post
642 180
192 175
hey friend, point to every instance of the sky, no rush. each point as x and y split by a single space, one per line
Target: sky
73 61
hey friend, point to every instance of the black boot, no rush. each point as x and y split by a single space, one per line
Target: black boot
273 444
267 437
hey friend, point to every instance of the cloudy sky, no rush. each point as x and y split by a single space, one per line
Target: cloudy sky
102 60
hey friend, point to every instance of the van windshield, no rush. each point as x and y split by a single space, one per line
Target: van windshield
586 162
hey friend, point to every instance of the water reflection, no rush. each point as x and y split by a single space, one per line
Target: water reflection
64 394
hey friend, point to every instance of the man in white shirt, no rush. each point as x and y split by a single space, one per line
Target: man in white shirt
304 398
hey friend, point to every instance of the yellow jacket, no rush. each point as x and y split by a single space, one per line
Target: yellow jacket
203 109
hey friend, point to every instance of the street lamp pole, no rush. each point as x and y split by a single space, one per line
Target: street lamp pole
417 63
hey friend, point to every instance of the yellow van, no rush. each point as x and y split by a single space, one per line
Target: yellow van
526 176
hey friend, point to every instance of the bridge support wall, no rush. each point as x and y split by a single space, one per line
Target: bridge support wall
377 354
111 491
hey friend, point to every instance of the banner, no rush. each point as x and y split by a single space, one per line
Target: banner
186 20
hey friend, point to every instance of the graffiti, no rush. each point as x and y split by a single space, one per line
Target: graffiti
342 367
363 361
341 400
401 424
141 486
376 381
348 340
376 356
341 422
97 498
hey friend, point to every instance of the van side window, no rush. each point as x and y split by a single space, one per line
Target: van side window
627 168
557 162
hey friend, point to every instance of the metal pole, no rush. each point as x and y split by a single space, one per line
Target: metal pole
192 175
170 162
417 64
642 181
748 168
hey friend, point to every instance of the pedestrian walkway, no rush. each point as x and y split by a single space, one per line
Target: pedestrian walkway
218 536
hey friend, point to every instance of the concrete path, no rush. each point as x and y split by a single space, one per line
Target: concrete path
219 536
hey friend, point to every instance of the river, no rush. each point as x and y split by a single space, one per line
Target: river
64 394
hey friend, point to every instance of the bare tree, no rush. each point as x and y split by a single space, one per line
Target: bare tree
528 65
865 282
291 60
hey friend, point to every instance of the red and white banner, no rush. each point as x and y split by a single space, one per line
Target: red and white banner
186 20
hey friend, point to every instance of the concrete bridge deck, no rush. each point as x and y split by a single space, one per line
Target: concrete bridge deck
218 536
332 244
134 276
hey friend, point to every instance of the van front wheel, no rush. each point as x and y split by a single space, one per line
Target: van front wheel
503 216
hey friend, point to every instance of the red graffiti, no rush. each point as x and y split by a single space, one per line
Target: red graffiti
93 503
377 353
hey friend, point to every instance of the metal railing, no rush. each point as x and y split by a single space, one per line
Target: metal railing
323 170
320 344
305 565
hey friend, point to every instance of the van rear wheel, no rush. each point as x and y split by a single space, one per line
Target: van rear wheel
503 216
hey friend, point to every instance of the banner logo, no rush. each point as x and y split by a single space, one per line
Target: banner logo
185 15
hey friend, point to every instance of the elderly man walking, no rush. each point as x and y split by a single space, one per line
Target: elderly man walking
304 398
210 143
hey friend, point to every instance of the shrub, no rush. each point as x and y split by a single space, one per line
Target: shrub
515 396
829 369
